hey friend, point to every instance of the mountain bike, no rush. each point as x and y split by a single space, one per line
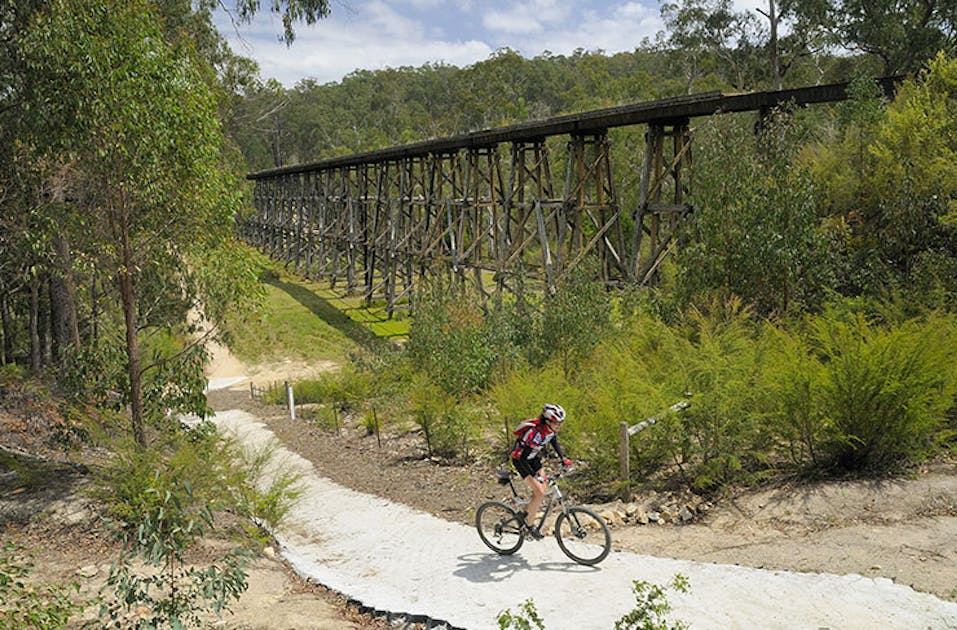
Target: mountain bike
581 534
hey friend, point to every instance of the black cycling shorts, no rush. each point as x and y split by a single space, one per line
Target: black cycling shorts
527 467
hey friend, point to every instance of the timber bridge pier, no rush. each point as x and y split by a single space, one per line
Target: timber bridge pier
484 206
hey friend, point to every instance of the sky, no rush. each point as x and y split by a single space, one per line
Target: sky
378 34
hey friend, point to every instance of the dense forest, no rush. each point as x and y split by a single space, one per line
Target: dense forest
119 191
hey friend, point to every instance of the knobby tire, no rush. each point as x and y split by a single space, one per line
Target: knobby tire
582 535
499 527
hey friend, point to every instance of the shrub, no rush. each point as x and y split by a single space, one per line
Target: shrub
169 592
652 606
575 319
791 383
450 427
31 605
526 619
719 437
886 389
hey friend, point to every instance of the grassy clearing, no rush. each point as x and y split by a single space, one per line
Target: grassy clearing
305 320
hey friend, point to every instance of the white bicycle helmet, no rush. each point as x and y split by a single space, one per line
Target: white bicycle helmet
553 413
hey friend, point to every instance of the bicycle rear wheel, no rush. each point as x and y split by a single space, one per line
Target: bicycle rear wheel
583 535
499 527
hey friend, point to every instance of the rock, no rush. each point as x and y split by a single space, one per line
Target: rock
269 552
88 571
685 514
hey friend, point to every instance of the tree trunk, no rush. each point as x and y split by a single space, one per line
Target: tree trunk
66 331
125 280
36 352
775 52
127 296
6 353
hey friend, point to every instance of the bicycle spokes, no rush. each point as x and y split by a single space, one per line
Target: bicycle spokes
583 535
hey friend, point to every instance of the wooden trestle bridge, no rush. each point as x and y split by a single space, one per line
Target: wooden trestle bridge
484 205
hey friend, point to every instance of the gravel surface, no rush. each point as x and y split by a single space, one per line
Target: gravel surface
394 558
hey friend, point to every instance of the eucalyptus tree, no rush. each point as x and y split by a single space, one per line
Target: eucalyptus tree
136 118
903 34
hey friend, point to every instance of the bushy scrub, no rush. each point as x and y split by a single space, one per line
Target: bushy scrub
343 388
885 388
170 593
451 340
618 386
575 319
754 232
450 427
721 437
523 393
859 392
216 471
791 383
162 501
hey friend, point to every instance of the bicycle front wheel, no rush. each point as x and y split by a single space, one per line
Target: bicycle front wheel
499 527
583 535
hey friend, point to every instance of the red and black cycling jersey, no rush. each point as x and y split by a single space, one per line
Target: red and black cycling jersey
532 436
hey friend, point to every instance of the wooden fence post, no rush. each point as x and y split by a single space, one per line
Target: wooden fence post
624 454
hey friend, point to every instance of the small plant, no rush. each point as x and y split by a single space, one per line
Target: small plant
266 503
26 605
166 592
652 606
526 619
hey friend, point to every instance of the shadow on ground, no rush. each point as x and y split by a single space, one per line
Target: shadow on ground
332 316
30 486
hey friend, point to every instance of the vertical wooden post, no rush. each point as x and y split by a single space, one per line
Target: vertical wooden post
624 454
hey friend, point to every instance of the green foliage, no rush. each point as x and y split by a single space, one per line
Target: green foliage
453 341
886 389
215 471
721 437
265 503
754 230
345 387
170 593
652 606
26 604
650 613
449 426
854 392
888 173
575 318
521 395
527 618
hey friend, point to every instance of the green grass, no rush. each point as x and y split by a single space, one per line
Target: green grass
304 320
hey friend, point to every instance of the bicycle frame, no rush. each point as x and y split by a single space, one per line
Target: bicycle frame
581 533
553 495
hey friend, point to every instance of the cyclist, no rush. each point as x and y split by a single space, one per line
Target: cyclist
532 436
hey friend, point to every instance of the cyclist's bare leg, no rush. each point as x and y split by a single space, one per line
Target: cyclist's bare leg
537 487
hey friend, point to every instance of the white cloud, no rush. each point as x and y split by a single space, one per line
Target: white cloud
376 34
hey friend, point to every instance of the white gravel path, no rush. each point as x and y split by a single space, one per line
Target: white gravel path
392 558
